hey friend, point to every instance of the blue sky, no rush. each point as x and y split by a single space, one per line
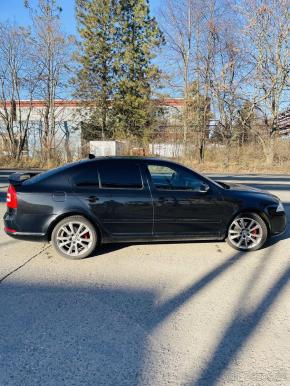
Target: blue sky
15 11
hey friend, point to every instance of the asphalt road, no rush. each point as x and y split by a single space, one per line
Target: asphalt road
163 314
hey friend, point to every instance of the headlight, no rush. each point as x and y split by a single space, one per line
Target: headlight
280 207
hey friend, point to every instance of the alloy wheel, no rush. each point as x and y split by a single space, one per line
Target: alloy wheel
245 233
74 238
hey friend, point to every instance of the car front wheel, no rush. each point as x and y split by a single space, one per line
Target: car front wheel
74 237
247 232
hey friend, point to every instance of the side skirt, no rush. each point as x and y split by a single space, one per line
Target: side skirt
159 238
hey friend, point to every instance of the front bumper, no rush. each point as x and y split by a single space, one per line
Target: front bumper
278 223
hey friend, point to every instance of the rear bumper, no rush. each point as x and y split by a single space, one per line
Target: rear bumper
26 227
25 235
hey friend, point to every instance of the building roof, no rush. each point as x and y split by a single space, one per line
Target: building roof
74 103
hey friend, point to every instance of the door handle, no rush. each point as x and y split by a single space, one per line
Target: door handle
164 200
93 199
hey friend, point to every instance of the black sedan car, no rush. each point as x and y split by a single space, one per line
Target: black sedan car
123 199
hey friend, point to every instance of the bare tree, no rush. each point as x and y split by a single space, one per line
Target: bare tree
52 56
226 76
205 37
178 24
18 80
186 29
266 28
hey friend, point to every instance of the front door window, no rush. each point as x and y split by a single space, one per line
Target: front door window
166 178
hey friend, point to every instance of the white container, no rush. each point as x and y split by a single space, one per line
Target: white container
168 150
106 148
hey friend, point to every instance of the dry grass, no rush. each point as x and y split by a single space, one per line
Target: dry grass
246 159
8 163
234 159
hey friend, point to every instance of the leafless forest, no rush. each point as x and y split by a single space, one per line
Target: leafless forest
226 61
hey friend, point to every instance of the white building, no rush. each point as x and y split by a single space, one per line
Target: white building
68 117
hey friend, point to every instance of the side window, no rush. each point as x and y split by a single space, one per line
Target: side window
167 178
120 174
86 177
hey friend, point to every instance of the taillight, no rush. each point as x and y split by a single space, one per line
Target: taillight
11 198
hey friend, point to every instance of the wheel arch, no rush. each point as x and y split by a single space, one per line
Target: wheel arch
245 211
74 213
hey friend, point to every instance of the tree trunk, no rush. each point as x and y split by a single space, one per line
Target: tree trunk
45 137
268 146
201 150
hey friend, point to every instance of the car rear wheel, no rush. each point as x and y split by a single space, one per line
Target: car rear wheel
74 237
247 232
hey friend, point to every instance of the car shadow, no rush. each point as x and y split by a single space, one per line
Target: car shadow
112 247
103 249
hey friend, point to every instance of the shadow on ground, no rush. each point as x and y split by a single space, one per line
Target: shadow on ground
100 335
240 329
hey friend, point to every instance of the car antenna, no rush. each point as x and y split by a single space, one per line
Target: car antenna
91 156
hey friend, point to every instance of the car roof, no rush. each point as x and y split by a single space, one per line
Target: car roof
128 158
69 166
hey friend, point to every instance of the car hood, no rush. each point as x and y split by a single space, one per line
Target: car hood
249 189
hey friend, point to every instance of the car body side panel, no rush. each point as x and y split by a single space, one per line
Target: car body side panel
119 211
186 213
243 201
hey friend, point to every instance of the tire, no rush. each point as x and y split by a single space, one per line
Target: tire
74 237
247 232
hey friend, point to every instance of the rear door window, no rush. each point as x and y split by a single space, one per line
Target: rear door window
86 177
119 174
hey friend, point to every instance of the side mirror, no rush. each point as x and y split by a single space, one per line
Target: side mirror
204 188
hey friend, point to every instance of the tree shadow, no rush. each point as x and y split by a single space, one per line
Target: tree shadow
241 328
56 335
172 305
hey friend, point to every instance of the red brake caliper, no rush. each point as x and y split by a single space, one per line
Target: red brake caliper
86 235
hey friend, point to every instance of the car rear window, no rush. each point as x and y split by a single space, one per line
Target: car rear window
120 174
50 173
